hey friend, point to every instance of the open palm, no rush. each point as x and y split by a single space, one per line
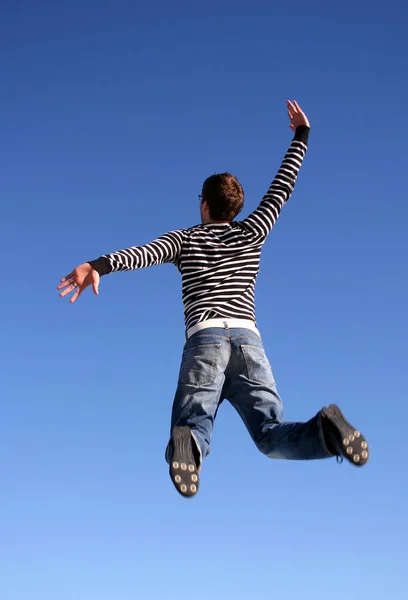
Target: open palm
78 280
296 115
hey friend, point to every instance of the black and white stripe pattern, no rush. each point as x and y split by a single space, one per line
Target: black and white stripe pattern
218 262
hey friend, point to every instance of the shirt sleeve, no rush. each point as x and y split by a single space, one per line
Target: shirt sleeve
261 220
165 249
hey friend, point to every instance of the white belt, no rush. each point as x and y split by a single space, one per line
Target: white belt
224 324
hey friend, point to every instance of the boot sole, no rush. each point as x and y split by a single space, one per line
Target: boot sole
354 446
183 469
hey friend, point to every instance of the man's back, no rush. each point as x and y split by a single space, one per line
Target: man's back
219 263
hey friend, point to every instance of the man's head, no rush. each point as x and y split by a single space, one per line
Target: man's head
222 198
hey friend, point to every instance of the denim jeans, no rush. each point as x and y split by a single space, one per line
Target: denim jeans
231 364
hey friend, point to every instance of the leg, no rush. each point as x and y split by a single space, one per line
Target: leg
198 394
253 393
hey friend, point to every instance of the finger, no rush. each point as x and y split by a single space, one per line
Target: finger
296 105
70 276
69 288
78 292
65 292
293 128
62 285
95 289
65 281
291 106
75 296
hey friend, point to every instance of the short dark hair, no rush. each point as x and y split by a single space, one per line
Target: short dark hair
224 196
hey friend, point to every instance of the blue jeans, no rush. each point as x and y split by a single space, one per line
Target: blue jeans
231 364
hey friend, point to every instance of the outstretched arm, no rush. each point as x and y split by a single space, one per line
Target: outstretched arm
165 249
264 217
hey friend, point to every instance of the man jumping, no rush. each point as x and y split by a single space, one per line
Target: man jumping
223 356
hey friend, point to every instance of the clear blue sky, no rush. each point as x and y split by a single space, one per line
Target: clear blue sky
112 114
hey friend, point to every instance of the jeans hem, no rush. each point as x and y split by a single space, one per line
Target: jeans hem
321 435
197 445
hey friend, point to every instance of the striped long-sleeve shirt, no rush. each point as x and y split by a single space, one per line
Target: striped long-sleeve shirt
218 262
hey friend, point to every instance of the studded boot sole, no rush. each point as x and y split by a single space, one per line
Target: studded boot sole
183 468
345 439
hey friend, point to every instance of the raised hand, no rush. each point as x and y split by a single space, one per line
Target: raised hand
79 279
296 115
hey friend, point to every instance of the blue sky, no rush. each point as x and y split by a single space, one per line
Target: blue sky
112 114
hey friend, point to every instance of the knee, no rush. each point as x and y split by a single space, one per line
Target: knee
268 449
263 445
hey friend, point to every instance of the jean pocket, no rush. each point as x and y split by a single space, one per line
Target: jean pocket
199 364
258 367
